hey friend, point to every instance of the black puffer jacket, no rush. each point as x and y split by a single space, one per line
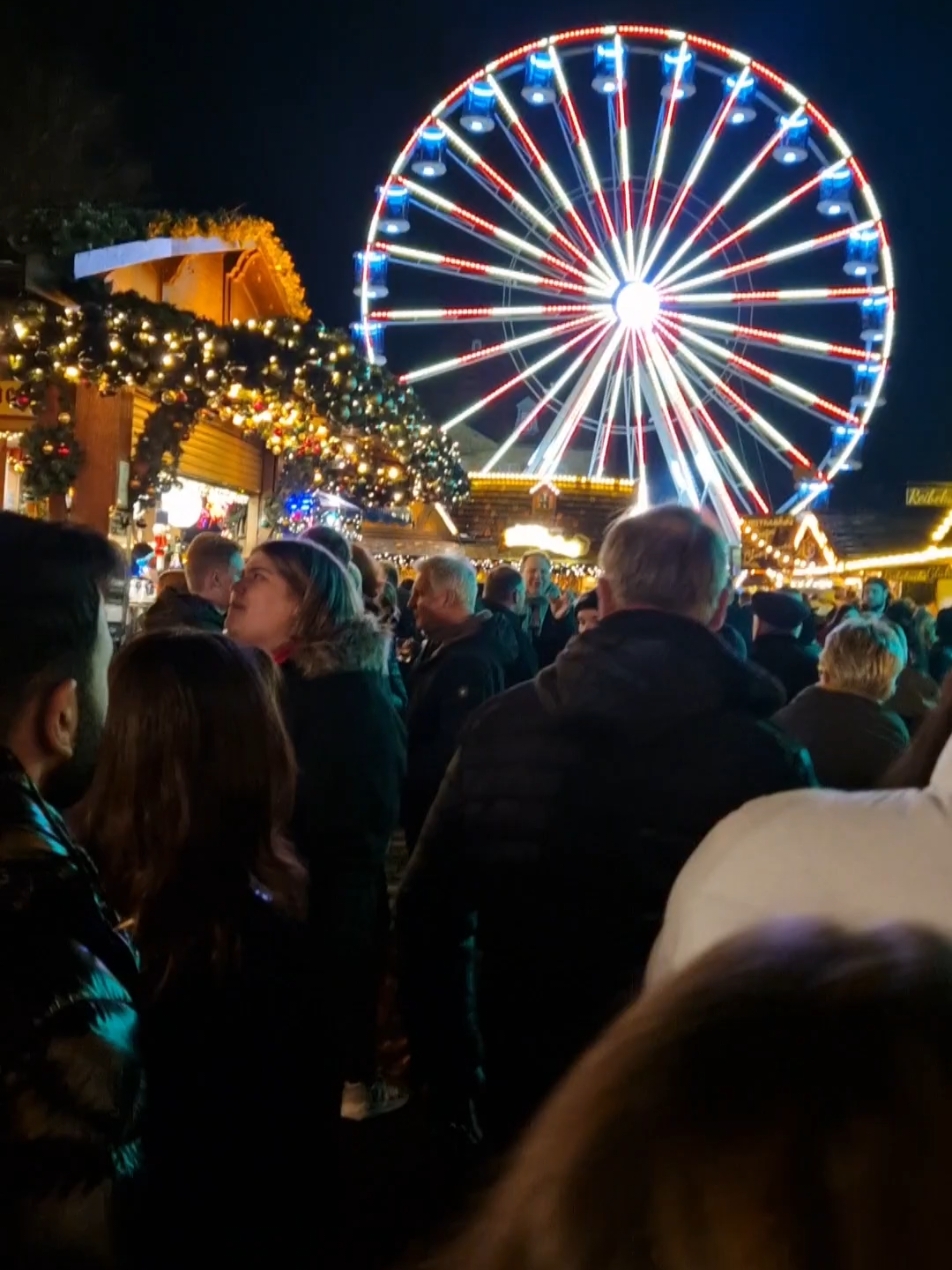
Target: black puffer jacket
351 752
70 1096
564 819
175 608
448 681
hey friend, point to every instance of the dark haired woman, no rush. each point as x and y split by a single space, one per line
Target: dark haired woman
296 602
194 782
784 1104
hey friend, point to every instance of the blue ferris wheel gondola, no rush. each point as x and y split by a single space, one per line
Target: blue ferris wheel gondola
375 265
873 311
395 214
610 66
370 334
862 252
744 110
845 438
865 377
835 193
791 146
477 113
430 159
538 89
674 85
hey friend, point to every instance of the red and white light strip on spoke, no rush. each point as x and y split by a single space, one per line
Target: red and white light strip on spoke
671 107
563 439
777 339
812 295
494 350
477 269
486 313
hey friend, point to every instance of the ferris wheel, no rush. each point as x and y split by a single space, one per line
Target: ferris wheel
696 283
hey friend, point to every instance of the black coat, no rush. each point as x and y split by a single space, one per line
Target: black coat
244 1104
792 665
550 852
552 634
174 608
71 1091
351 752
526 664
448 681
851 740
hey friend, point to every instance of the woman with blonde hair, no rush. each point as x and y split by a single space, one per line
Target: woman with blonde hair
297 602
785 1104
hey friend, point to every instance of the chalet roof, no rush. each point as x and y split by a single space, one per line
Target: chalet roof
476 450
854 535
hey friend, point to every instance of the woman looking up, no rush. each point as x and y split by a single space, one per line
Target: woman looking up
194 783
296 602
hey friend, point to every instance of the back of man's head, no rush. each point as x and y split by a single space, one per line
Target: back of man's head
50 621
209 554
332 541
502 586
669 559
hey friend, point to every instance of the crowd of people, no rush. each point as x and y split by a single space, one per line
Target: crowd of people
667 945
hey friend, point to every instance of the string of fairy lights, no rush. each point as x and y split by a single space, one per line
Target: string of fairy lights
349 427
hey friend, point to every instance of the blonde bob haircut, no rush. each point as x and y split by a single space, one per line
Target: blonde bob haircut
863 657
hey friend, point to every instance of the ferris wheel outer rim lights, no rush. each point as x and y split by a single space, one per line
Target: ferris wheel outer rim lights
801 106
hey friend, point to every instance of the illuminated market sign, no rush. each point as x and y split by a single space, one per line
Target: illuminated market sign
538 538
929 495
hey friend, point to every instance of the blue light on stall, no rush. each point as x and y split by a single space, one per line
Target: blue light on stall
873 311
374 330
477 113
394 216
791 145
670 63
377 287
609 68
862 254
835 193
430 156
743 110
538 89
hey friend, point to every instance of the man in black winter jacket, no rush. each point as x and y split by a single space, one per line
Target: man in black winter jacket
528 912
505 595
213 565
463 662
70 1091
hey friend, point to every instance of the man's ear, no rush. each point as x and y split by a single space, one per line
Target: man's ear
719 615
58 720
606 601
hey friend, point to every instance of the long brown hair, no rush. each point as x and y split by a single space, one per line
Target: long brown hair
913 769
194 783
328 597
785 1104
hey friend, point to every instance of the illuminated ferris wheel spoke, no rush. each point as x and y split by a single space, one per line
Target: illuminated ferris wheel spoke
540 165
697 167
545 401
484 313
738 475
755 222
553 453
701 454
588 164
624 158
482 272
524 211
768 258
733 190
484 230
778 339
600 449
638 407
814 295
494 350
532 369
758 374
667 433
651 202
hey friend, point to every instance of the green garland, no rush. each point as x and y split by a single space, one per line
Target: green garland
50 458
304 390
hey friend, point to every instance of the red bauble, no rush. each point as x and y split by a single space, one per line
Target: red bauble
260 406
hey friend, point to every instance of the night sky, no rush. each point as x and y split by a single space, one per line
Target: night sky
295 111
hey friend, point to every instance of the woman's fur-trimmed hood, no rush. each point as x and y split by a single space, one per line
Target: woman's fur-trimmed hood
360 644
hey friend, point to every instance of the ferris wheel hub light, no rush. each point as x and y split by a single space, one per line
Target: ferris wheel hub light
637 305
